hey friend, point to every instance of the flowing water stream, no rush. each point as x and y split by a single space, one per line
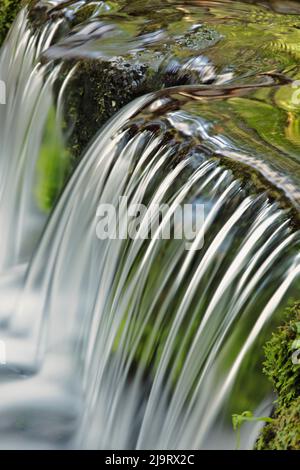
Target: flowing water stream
143 343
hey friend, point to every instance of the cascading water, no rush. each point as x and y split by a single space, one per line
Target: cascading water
28 104
140 342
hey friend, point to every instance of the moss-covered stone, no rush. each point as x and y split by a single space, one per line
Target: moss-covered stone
279 367
8 12
97 91
284 372
101 86
84 14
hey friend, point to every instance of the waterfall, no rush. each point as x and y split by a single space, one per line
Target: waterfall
23 120
141 342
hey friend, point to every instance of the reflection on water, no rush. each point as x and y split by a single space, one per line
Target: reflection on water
138 343
241 125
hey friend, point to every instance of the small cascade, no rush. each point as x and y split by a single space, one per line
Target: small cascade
126 323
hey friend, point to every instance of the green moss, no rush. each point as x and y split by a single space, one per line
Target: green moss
84 13
246 416
97 91
284 432
8 12
279 367
101 87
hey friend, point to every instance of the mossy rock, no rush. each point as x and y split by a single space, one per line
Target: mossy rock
104 83
100 88
279 367
284 372
97 91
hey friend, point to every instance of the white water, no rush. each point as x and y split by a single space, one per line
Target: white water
127 343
